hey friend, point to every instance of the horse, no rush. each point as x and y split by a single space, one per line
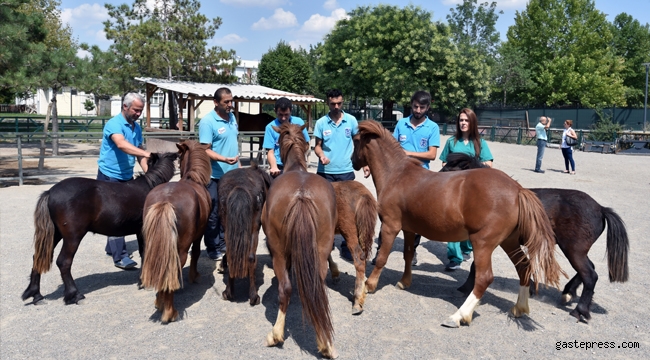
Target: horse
175 216
578 221
242 193
76 206
484 205
299 218
357 217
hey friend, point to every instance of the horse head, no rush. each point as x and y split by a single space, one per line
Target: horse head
368 130
291 137
160 168
194 161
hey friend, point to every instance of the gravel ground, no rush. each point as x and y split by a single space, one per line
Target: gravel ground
116 320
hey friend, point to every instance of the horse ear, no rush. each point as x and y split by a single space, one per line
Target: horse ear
303 127
181 146
276 129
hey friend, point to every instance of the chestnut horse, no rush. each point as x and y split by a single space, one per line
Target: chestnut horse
242 193
75 206
175 216
299 218
578 221
357 217
484 205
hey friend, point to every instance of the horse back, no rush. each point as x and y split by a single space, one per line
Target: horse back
572 212
191 202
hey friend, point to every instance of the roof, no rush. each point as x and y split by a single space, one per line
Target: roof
239 91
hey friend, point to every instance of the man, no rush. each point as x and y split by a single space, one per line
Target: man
333 133
121 144
420 139
540 130
219 129
271 137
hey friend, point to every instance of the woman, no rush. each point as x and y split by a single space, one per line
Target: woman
468 141
567 151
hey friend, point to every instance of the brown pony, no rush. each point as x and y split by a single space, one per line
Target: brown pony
299 218
175 215
357 217
242 193
484 205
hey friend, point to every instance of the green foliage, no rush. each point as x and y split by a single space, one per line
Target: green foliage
509 74
285 69
389 52
632 42
567 50
89 105
473 25
169 42
605 129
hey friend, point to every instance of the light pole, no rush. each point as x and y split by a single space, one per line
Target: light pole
645 103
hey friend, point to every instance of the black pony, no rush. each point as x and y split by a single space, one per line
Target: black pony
577 220
75 206
242 193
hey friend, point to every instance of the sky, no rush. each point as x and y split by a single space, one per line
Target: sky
252 27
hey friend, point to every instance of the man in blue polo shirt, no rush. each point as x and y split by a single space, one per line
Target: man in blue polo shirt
333 133
271 137
121 144
419 137
219 129
540 132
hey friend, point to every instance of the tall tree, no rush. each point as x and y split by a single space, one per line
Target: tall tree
509 74
568 53
285 69
100 74
473 24
389 52
632 42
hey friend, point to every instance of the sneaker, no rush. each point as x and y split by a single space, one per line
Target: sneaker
216 256
540 171
345 253
111 255
467 257
126 263
414 262
452 266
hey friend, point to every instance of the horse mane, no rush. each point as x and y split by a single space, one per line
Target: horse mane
161 168
389 145
199 167
290 136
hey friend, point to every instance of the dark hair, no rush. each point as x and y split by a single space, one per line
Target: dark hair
474 136
282 104
569 122
333 93
421 97
219 93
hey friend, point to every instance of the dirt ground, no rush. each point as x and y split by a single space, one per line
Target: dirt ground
116 320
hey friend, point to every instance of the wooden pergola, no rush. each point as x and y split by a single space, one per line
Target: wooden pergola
190 95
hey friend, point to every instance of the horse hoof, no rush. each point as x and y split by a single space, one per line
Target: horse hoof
226 296
336 280
566 298
401 285
270 340
255 300
517 312
580 315
357 310
450 324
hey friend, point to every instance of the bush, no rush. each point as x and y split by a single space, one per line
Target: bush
605 129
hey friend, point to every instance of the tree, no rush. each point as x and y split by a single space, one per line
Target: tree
632 42
567 50
473 25
389 52
509 73
100 74
285 69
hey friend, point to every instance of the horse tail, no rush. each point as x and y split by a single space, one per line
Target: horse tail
618 246
238 232
43 235
535 229
161 267
305 264
366 219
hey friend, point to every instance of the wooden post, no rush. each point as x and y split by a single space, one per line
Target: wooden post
151 89
190 113
181 103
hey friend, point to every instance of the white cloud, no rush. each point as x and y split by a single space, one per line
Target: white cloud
84 16
251 3
331 5
280 19
230 39
501 4
320 24
84 54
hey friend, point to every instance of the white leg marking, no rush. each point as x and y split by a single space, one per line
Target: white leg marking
521 307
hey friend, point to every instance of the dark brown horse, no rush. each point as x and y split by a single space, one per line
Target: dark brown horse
299 218
484 205
76 206
242 193
578 221
357 216
175 215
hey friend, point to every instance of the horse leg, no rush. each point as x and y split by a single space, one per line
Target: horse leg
253 297
64 262
194 261
34 288
467 287
325 347
409 251
334 269
587 273
484 277
520 260
276 335
571 289
165 301
360 268
141 251
387 240
230 285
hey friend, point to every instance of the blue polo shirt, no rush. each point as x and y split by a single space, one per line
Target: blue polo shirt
417 139
271 137
540 131
336 143
112 161
222 134
453 146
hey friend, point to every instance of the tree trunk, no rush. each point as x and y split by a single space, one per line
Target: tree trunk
55 124
173 114
387 110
